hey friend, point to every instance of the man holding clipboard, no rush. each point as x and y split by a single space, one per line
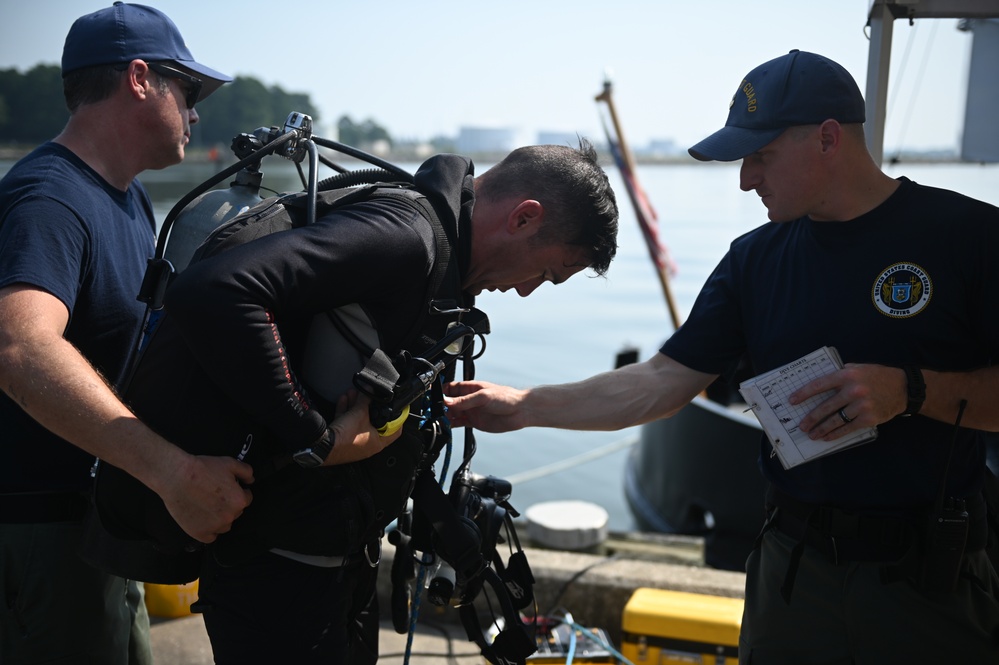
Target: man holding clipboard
876 553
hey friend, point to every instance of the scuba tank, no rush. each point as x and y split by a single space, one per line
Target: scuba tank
209 211
201 211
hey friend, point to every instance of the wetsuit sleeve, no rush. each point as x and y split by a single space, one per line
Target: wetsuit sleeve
235 310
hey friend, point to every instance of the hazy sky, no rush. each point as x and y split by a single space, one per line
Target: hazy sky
426 68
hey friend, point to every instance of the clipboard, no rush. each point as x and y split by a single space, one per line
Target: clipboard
767 396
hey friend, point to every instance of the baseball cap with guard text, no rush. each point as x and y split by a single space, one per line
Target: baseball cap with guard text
798 88
126 32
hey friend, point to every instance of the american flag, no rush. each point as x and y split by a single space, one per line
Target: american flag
646 214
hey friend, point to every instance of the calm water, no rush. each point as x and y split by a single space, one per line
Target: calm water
575 330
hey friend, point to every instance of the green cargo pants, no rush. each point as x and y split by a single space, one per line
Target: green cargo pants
59 610
847 614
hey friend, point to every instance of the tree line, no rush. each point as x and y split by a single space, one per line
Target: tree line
32 110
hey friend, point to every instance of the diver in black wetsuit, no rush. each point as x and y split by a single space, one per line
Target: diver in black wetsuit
232 369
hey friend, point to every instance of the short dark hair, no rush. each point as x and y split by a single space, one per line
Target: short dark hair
90 85
95 84
580 206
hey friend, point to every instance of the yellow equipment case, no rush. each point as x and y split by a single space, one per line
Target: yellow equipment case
170 600
678 628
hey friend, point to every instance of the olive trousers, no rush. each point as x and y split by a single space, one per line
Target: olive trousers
850 613
58 610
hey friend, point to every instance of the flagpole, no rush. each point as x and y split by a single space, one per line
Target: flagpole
629 164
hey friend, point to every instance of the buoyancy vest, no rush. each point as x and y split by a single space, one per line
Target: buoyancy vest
329 511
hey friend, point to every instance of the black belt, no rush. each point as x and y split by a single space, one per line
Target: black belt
38 507
841 536
845 536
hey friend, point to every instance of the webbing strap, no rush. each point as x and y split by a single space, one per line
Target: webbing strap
442 267
442 264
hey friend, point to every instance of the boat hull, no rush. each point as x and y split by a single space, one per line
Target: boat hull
697 473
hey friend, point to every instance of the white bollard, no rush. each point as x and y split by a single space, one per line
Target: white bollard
567 525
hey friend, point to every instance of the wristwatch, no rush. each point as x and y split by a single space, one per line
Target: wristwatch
317 453
915 388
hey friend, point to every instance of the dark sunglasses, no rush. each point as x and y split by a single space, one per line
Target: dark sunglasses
193 83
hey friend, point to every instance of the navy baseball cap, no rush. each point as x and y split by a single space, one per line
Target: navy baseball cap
799 88
126 32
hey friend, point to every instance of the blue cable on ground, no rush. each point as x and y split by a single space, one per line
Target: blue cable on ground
596 638
571 653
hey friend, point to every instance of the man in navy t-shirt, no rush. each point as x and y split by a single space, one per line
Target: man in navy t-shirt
876 553
76 230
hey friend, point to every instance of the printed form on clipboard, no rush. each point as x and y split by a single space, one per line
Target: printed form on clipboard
767 395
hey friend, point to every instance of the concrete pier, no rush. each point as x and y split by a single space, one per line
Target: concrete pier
594 587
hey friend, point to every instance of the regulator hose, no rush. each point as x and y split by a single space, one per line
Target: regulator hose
358 177
367 157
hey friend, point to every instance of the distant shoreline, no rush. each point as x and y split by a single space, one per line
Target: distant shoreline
201 155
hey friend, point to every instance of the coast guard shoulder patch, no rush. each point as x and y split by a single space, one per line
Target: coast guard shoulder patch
902 290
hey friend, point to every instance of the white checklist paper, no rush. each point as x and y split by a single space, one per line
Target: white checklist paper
767 395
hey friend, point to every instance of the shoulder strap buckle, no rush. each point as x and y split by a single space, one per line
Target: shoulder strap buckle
445 307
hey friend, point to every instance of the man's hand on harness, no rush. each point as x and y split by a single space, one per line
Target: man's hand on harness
356 437
204 495
484 406
864 396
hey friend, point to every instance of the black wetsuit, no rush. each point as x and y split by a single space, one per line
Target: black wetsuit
222 375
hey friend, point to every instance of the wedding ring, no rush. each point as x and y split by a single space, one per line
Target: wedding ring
842 414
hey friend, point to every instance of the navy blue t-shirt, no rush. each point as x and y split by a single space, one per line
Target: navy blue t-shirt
65 230
910 282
